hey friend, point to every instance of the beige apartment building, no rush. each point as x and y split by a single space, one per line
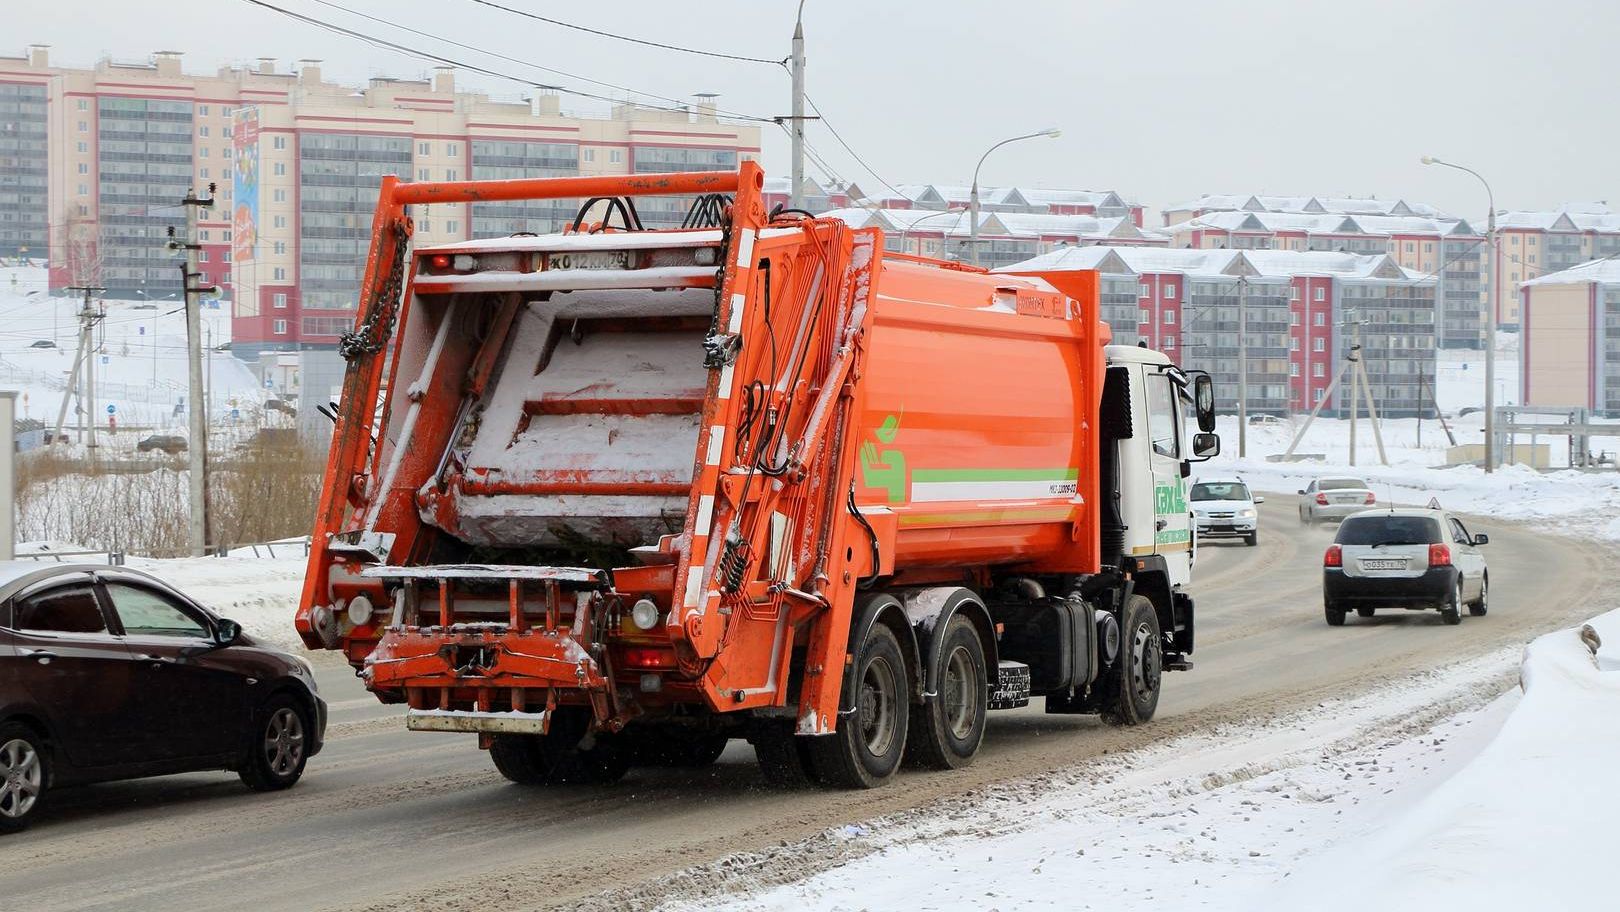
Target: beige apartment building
100 157
1569 343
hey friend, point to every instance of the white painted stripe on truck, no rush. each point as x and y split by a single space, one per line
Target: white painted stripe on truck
938 491
717 445
745 250
738 302
705 514
724 391
694 585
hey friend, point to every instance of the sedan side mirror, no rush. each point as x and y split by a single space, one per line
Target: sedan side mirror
1259 500
1302 492
1482 539
1206 445
227 632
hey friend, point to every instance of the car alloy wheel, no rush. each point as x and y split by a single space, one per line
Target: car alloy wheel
22 778
284 741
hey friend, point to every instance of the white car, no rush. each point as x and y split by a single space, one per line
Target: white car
1225 506
1412 559
1333 497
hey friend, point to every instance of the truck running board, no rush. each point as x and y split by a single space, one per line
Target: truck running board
502 723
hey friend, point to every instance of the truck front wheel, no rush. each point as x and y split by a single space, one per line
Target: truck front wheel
870 740
946 731
1130 687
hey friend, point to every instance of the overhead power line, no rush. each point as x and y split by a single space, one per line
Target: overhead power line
380 42
847 148
617 37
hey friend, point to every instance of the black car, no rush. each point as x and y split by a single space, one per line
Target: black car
173 444
108 673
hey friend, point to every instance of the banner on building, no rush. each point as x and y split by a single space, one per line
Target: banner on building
245 186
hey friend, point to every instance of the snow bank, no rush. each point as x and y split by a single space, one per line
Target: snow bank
1529 824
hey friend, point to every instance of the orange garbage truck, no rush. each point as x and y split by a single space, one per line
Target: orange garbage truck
616 495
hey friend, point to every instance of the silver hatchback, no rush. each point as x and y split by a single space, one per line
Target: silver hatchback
1411 559
1334 497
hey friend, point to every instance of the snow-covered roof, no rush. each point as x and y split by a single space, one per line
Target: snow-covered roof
1323 223
1344 205
1604 272
950 194
1222 263
954 223
1575 217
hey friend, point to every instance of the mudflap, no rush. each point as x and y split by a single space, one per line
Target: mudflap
1181 643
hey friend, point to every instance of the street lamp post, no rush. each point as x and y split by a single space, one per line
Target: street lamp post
911 227
1490 311
973 197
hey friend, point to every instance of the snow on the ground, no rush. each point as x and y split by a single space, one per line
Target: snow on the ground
1530 823
1459 375
1211 821
1578 502
141 367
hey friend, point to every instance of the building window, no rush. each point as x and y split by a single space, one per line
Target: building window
452 227
1321 319
1293 369
424 148
615 156
279 327
281 276
1147 317
226 152
278 300
202 256
281 248
227 234
84 147
84 168
1317 370
1147 290
225 132
1293 293
278 142
1410 247
280 169
84 189
280 221
1293 319
1321 293
203 172
226 256
202 152
226 174
452 149
202 131
203 110
422 174
1515 241
427 226
84 126
1428 248
1293 344
1169 318
279 195
1319 395
1169 341
451 174
588 155
1170 291
225 112
84 104
1318 345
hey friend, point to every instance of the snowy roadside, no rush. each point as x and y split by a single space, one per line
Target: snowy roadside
1215 820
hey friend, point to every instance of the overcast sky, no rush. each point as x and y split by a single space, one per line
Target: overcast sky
1160 100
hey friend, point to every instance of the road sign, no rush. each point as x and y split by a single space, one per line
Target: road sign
1434 503
112 409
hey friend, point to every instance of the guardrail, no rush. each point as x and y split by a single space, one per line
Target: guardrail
284 547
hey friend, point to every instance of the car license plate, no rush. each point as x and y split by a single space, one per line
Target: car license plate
1383 565
589 259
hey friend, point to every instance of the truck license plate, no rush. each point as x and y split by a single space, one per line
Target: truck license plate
1383 565
590 259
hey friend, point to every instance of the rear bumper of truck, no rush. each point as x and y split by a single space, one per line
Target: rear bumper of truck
471 722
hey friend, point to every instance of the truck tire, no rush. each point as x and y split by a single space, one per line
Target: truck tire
867 746
1130 687
945 732
556 756
783 757
25 775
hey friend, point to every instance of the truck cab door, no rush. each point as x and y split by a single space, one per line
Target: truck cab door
1172 523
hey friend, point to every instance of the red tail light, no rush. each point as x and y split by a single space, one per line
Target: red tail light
441 261
1321 499
1370 498
1439 555
649 657
1334 557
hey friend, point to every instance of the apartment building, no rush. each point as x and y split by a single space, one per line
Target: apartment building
1536 244
1305 205
1299 307
296 161
1449 249
1569 343
1004 237
1104 204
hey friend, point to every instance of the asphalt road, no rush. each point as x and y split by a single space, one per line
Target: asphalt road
388 819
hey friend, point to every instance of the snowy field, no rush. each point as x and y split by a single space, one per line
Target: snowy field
1425 794
141 363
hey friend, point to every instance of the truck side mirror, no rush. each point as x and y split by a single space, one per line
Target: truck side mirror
1205 445
1204 404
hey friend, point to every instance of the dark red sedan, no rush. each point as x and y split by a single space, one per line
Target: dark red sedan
109 673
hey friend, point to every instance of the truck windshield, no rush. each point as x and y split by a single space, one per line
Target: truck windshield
1220 490
1388 530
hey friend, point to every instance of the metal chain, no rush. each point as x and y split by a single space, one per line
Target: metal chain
364 339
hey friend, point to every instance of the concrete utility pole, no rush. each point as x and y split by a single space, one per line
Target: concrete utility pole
89 316
796 192
1243 368
198 447
973 195
1491 305
1354 366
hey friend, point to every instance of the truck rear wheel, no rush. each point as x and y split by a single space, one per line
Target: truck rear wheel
866 748
946 731
783 757
556 756
1130 688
